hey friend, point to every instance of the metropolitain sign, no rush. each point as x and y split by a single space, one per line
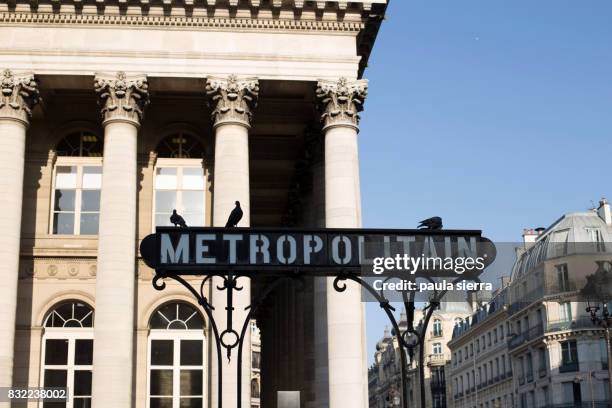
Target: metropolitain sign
261 251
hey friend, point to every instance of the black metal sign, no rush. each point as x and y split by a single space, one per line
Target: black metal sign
318 251
232 254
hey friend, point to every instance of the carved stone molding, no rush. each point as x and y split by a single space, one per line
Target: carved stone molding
19 95
122 97
57 268
109 18
232 99
341 101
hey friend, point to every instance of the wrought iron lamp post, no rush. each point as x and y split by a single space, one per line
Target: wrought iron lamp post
394 398
605 321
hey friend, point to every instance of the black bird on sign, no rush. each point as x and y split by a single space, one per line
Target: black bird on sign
234 217
433 223
177 220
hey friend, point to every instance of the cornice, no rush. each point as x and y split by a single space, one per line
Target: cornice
361 17
482 326
253 6
178 22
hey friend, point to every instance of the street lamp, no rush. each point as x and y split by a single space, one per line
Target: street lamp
603 320
599 287
394 398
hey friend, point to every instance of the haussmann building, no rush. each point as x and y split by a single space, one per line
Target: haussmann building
115 112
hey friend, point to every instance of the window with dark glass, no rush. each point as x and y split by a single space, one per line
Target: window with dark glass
437 348
256 360
569 352
68 353
437 328
563 278
254 388
176 357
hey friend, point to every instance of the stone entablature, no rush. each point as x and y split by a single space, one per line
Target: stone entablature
193 28
214 7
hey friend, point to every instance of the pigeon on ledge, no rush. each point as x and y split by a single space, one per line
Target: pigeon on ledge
234 217
433 223
177 220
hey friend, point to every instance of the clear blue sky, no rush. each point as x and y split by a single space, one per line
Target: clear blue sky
494 114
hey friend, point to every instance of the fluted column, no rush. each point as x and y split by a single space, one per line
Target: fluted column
19 95
122 101
232 101
340 103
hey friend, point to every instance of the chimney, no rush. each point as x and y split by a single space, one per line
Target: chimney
604 211
530 235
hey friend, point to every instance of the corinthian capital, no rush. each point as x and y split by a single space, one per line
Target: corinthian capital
232 99
122 97
19 95
341 101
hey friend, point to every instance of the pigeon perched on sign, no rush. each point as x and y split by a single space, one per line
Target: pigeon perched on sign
177 220
234 217
433 223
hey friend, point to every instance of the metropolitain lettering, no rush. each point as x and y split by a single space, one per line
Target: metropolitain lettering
173 248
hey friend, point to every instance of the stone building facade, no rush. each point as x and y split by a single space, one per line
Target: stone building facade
112 114
385 374
481 368
549 351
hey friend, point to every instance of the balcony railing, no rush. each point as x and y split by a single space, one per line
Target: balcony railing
548 289
530 377
583 322
561 287
528 335
583 404
521 380
436 359
542 372
569 367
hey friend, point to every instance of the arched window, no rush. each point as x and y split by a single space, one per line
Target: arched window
81 143
180 145
176 357
67 353
254 388
177 316
179 180
70 314
77 179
